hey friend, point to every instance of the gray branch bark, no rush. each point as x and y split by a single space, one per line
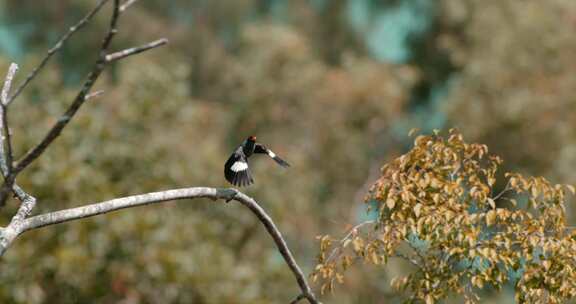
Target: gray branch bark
10 233
6 141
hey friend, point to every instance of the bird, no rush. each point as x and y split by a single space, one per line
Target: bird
236 169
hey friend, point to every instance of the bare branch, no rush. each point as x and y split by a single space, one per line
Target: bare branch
55 49
112 30
63 121
27 201
9 234
135 50
8 83
6 141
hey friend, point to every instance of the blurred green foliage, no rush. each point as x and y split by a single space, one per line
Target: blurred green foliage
304 78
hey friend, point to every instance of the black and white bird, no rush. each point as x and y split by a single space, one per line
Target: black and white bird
236 169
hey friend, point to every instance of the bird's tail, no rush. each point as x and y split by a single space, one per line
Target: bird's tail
241 178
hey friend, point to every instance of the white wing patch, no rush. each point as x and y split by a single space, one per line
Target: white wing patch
270 153
239 166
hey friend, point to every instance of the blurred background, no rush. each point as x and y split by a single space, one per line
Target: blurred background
331 86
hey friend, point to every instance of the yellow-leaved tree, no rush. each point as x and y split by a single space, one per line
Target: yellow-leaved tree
437 208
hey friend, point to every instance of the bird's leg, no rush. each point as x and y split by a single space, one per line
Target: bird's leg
230 194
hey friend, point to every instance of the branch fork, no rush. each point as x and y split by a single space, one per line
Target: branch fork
103 60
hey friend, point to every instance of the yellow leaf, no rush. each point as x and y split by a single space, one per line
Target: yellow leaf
412 131
490 218
478 282
535 191
513 182
454 251
492 203
473 191
358 244
390 203
417 209
491 181
346 243
374 257
394 283
449 215
340 278
571 188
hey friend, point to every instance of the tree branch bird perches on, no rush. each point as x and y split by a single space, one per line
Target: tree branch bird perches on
236 169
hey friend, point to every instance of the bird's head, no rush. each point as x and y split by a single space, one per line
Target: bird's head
252 138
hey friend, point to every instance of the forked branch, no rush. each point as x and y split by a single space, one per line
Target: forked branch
83 95
59 44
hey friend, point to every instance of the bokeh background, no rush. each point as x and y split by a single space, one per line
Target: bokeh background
332 86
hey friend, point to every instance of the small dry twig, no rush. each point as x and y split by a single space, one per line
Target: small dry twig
126 5
135 50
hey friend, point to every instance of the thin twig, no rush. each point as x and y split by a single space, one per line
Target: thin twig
298 299
352 232
94 94
55 49
126 5
411 261
506 189
135 50
9 234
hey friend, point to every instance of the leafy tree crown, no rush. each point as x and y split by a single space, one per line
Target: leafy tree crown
438 209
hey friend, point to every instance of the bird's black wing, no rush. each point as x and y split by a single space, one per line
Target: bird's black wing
236 169
261 149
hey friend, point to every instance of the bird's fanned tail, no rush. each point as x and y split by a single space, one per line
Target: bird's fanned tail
237 172
242 178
